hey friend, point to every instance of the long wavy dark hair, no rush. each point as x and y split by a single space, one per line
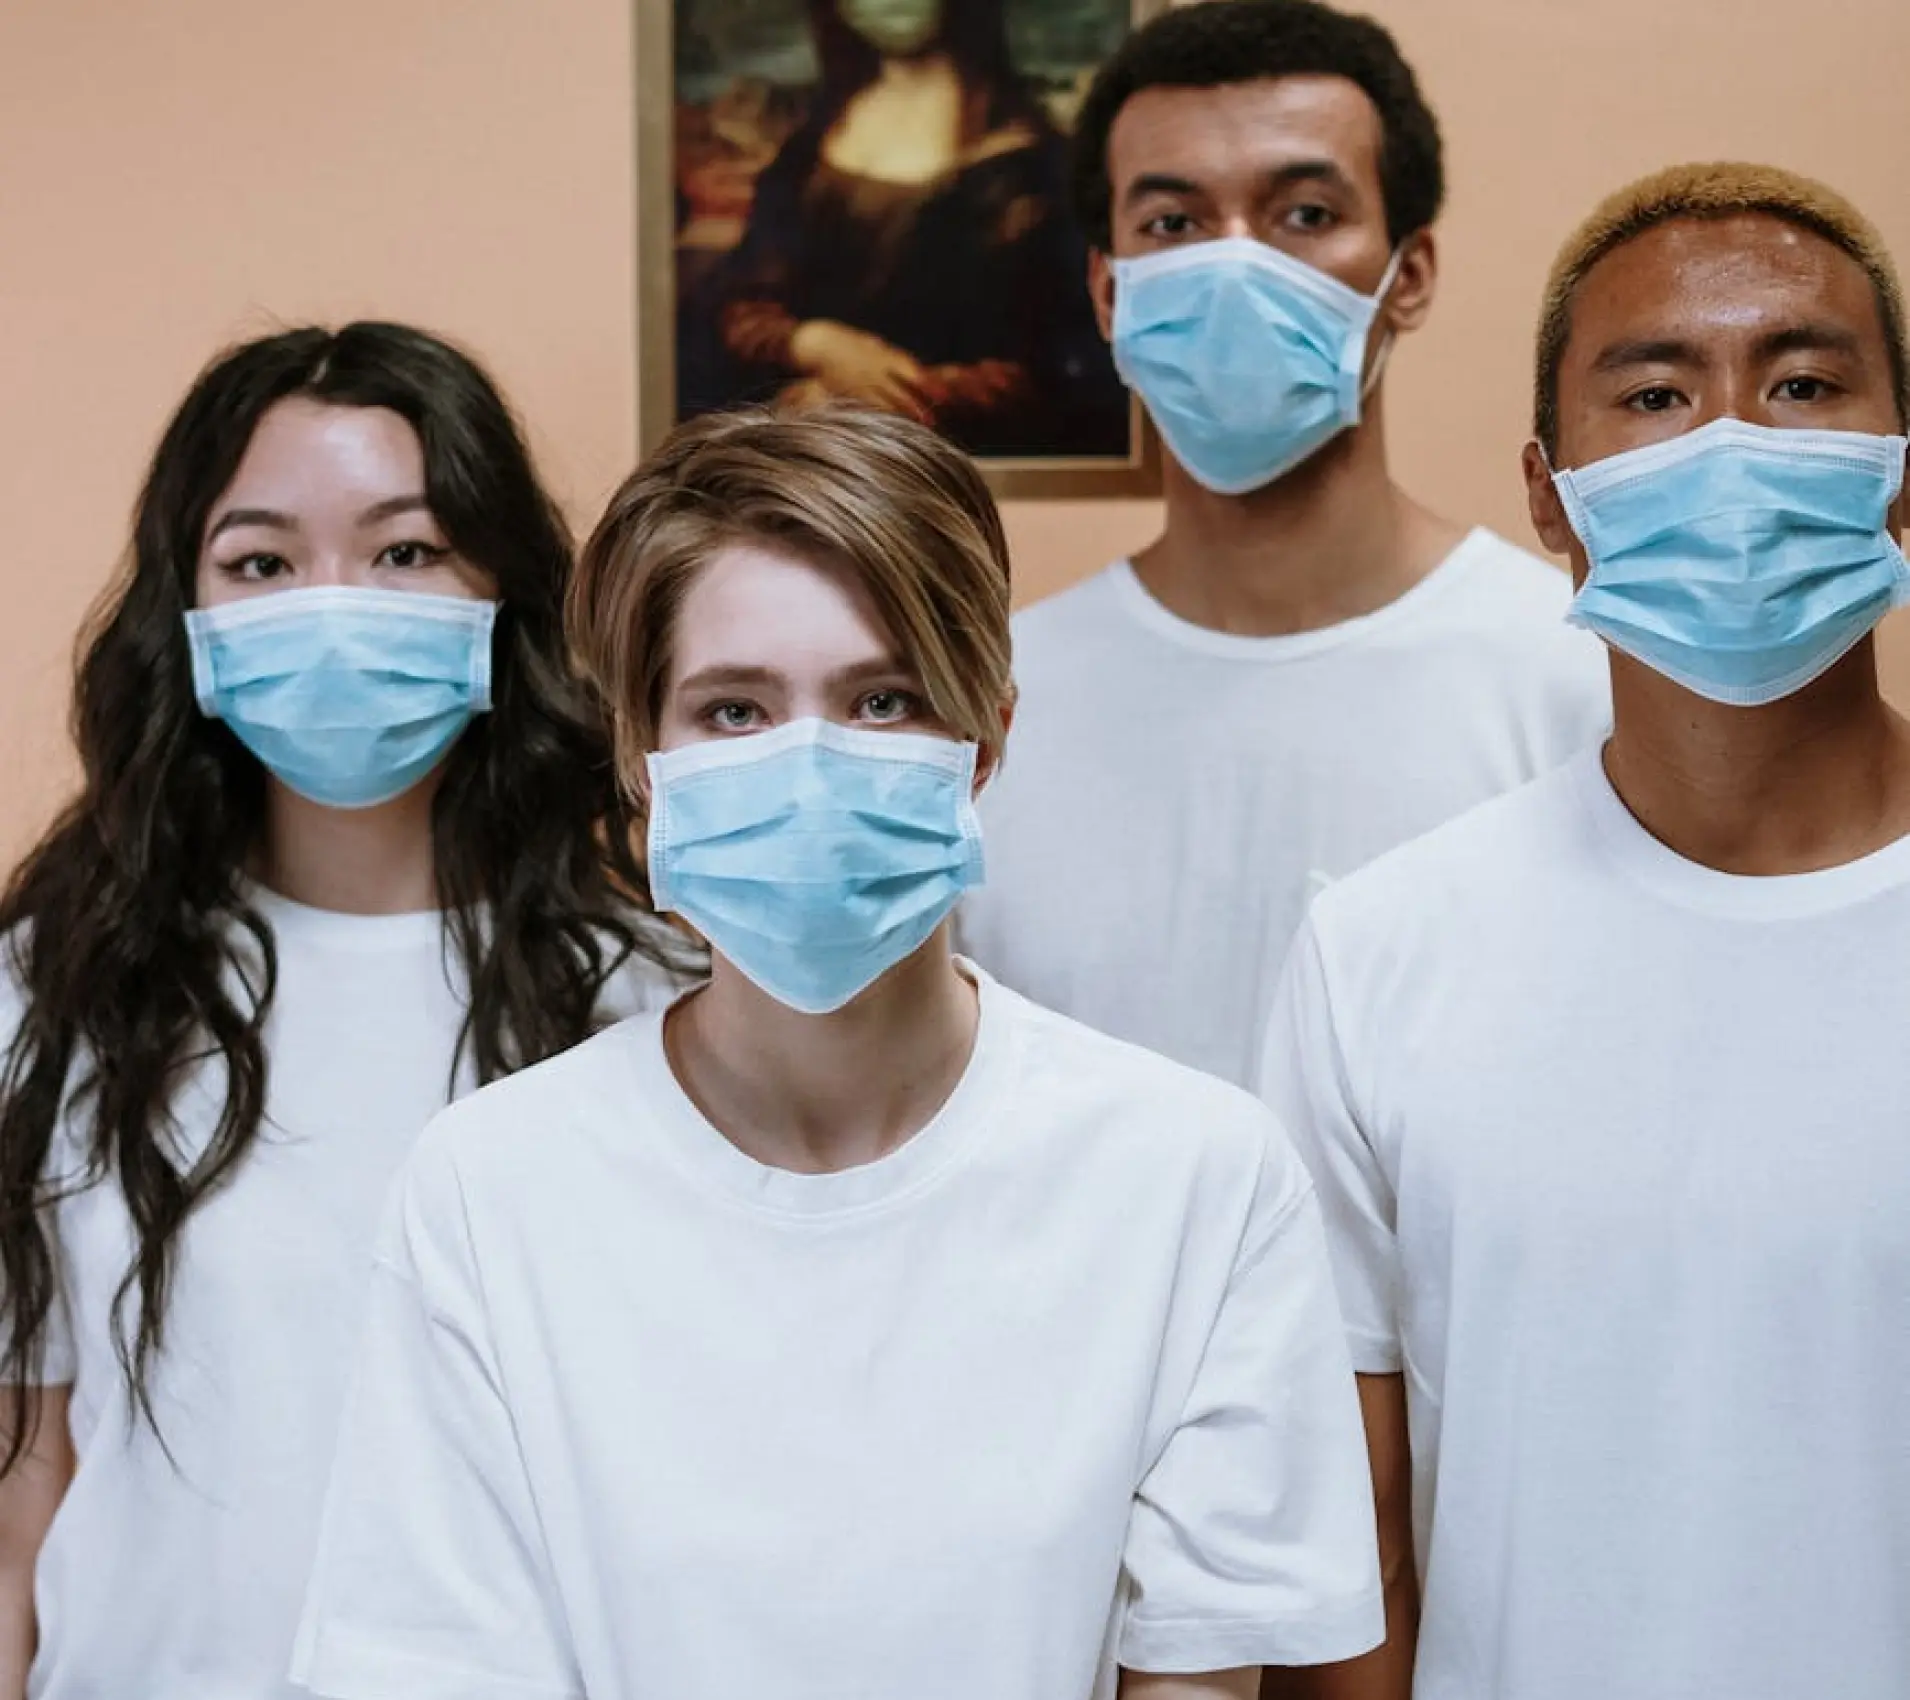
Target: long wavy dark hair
129 929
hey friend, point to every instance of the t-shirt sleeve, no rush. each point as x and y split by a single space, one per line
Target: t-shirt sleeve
431 1580
1252 1537
1303 1079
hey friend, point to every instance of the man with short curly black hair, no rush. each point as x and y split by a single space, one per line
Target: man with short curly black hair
1605 1087
1307 666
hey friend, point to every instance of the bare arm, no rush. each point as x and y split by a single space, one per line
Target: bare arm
29 1495
1211 1685
1386 1673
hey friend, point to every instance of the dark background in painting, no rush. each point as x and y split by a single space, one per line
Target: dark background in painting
979 276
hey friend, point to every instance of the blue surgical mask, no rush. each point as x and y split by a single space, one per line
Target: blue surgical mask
1248 360
1740 562
349 697
814 857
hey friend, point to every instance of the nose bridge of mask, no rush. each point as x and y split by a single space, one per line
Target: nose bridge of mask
1736 466
724 791
1332 316
351 632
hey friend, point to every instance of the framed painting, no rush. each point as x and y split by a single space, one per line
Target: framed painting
870 199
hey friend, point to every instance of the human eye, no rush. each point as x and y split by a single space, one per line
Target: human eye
888 707
257 568
733 716
1169 226
411 553
1653 398
1310 217
1804 387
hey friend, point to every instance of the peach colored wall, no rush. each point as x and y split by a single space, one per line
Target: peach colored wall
175 176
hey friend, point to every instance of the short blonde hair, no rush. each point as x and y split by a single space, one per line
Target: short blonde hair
1719 190
902 510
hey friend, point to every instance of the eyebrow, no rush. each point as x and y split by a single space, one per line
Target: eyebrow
267 518
1157 183
391 506
1310 171
1647 351
1810 339
271 519
1674 351
1298 171
724 674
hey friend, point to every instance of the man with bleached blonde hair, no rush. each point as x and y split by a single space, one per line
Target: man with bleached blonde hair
1605 1086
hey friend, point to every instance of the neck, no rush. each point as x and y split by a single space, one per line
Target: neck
1333 539
917 72
376 861
816 1094
1812 781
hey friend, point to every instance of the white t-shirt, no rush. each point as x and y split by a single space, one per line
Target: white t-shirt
1614 1151
1172 796
1057 1382
182 1579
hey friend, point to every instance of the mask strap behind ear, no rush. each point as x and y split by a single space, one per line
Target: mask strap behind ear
1384 352
1389 277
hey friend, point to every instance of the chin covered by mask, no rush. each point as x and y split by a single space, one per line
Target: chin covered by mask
814 857
1739 561
893 26
349 697
1247 359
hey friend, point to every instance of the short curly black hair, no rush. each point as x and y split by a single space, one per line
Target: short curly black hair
1242 41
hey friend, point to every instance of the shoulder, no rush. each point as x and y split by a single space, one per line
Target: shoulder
1449 881
663 966
1509 580
1110 1102
500 1141
1088 605
1507 608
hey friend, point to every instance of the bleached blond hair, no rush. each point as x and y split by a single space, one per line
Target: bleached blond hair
1715 190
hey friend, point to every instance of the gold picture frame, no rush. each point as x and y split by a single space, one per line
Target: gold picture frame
664 371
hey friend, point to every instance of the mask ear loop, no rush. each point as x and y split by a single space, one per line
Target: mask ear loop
1384 352
1570 503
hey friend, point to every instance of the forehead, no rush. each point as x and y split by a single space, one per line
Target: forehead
1738 277
766 605
1245 130
315 449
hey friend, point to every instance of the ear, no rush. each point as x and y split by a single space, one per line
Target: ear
988 762
1101 292
1893 520
1548 512
1409 301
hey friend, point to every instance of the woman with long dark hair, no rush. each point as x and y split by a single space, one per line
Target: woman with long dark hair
348 843
910 246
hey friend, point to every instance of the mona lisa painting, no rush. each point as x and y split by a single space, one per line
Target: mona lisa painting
869 199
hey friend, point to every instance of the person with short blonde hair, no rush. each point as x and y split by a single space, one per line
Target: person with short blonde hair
1605 1085
857 1327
